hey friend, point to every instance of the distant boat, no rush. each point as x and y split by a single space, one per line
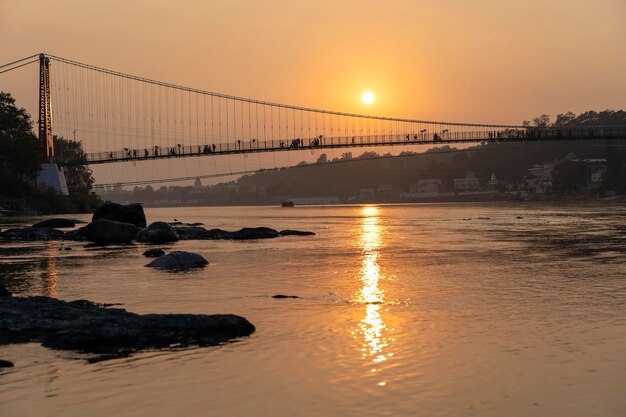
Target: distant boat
287 204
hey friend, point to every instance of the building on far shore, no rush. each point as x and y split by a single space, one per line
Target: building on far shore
466 184
424 188
596 170
539 179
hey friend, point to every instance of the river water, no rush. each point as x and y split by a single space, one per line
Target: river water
405 310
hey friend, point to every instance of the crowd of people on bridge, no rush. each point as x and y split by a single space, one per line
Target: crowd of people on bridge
530 133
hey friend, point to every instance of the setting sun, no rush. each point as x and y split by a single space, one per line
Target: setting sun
368 97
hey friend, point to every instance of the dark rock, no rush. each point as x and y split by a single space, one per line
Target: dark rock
295 233
4 292
190 232
519 217
247 233
66 248
157 232
6 364
88 327
57 222
254 233
130 213
107 231
153 253
33 233
179 260
74 235
284 296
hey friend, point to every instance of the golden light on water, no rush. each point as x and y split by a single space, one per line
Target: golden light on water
49 275
372 330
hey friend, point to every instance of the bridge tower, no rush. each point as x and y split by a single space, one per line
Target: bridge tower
51 174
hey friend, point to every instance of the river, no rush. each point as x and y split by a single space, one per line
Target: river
405 310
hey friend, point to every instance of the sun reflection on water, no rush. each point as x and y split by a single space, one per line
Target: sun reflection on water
49 275
372 330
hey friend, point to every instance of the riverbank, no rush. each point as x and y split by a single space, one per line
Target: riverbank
27 200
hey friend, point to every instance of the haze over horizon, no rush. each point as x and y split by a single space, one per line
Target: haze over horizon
473 61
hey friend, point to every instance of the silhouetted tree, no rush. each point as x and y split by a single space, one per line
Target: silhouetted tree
542 121
323 158
79 178
19 156
569 176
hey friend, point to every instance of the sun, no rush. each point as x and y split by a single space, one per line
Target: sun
368 97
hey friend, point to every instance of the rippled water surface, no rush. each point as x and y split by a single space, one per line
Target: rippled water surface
419 310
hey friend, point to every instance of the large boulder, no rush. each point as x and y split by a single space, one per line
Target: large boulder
32 233
108 231
179 261
89 327
57 223
157 232
129 213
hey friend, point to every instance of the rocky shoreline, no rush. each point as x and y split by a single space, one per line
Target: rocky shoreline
88 327
115 223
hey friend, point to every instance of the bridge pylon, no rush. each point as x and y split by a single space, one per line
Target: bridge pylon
51 174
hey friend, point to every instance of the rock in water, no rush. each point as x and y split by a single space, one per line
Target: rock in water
254 233
179 261
88 327
153 253
284 296
295 233
108 231
5 364
57 222
130 213
4 292
32 233
158 232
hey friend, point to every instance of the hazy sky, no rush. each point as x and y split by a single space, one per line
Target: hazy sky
458 60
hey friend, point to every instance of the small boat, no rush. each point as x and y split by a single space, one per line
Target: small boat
287 204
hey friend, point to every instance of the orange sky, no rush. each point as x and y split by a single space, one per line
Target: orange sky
464 60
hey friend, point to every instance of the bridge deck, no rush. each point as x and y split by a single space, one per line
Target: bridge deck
321 142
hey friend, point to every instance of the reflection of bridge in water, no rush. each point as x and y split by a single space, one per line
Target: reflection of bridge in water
121 118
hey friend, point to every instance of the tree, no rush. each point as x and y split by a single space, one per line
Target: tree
569 176
19 154
566 119
323 158
542 121
79 178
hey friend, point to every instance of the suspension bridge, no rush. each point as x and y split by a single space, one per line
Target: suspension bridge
123 118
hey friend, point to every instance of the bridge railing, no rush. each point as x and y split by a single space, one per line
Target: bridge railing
324 142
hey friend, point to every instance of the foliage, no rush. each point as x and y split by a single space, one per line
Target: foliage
79 178
19 166
592 118
18 145
569 177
